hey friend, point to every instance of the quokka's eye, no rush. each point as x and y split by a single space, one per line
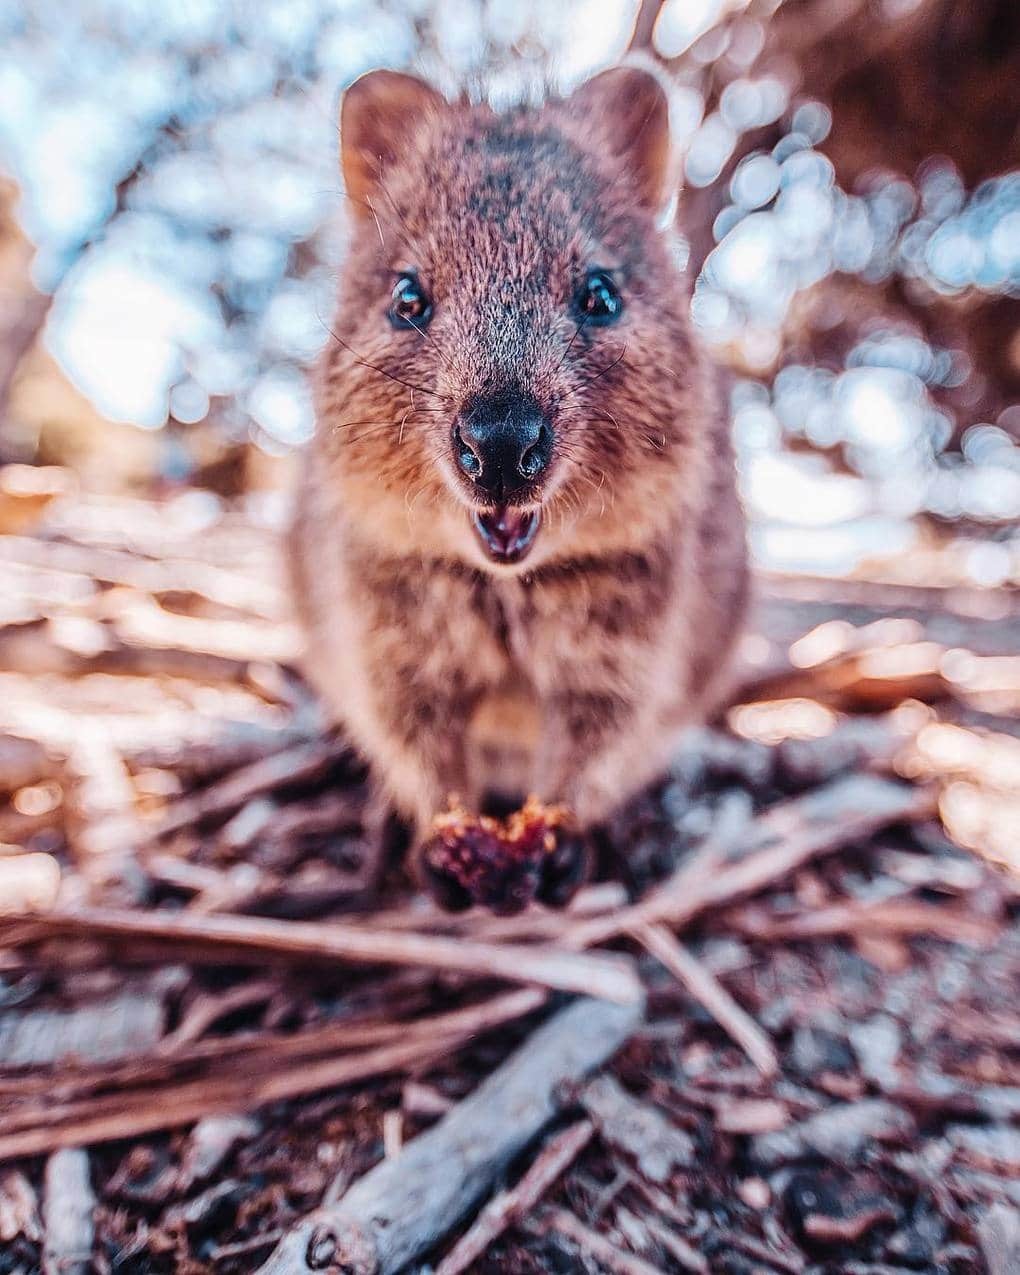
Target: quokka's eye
598 300
410 306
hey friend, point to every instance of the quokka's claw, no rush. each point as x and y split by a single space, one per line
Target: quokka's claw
503 864
565 870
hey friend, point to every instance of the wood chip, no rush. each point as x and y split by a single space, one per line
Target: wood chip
637 1129
28 883
999 1233
19 1208
839 1133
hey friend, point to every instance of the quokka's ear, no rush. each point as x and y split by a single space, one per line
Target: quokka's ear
378 115
630 111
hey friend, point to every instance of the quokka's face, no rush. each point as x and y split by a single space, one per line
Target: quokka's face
511 325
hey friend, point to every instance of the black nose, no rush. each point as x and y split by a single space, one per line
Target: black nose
502 443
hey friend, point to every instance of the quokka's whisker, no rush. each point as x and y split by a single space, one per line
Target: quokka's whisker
390 376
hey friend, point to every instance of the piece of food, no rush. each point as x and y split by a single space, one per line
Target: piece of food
504 864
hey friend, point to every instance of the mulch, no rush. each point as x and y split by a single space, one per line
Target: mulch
223 1005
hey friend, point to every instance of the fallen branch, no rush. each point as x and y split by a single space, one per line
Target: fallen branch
399 1209
123 1025
247 1056
225 588
149 1108
789 606
33 648
870 679
210 937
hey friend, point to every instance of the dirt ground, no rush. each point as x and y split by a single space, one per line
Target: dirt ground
221 1004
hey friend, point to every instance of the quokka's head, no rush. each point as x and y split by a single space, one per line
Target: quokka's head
511 354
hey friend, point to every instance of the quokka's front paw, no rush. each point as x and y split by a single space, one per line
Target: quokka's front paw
504 864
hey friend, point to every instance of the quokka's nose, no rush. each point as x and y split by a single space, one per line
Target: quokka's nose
502 443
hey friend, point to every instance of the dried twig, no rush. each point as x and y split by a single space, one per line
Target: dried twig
689 1258
300 763
68 1214
710 993
510 1206
596 1246
246 1056
404 1205
644 25
123 1025
879 917
781 841
256 938
49 1125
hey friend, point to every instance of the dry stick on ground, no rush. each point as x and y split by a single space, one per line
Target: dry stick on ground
710 993
590 1243
31 648
507 1208
68 1214
787 607
644 25
23 762
255 938
900 917
404 1205
126 1024
187 1102
680 1251
303 762
147 1109
781 841
252 1054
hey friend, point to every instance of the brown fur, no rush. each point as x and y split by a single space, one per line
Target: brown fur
571 674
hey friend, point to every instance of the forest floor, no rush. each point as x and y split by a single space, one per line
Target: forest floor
779 1032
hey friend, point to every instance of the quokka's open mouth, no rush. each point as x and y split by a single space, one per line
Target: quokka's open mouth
506 532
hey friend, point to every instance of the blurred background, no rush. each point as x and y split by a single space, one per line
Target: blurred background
171 222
